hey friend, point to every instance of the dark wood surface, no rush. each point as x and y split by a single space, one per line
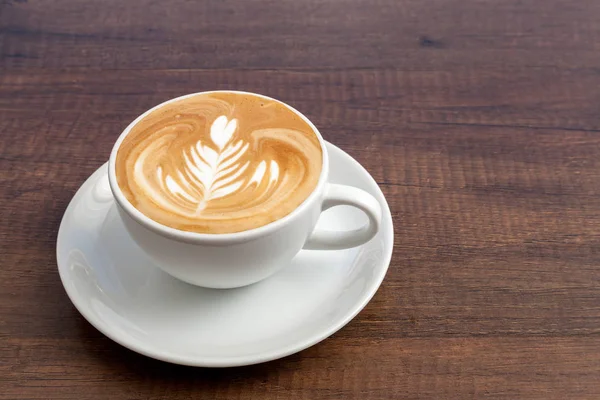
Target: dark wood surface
480 120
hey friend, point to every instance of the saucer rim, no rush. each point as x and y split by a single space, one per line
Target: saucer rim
222 362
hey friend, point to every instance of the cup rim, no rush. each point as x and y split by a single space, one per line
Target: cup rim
213 238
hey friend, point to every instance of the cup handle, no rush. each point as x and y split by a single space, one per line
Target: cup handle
337 195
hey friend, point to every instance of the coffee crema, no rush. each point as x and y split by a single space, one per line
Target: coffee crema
219 162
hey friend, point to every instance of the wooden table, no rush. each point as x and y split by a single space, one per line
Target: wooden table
480 120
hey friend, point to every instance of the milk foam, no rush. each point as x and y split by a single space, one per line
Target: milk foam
219 163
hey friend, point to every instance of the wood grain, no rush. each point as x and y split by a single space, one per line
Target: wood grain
478 119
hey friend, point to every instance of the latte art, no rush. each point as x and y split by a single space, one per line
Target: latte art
207 174
219 163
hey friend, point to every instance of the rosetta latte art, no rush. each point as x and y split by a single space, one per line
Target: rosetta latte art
209 174
219 163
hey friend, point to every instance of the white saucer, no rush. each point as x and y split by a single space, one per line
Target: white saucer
117 288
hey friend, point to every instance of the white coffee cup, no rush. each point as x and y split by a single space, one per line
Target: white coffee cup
238 259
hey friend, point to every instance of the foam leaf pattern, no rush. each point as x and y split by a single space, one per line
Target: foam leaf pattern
209 174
